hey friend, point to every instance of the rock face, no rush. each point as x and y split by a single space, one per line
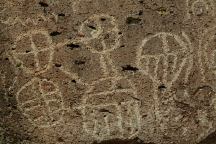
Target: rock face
107 71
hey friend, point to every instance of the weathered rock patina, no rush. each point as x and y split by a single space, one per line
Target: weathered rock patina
107 71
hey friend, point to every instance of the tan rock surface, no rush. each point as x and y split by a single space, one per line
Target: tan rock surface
107 71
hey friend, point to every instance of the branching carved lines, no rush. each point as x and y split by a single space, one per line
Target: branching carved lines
41 102
27 48
163 57
151 67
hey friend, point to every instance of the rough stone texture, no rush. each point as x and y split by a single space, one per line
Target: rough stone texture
107 71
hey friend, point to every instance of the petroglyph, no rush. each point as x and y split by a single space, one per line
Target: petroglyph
53 2
163 63
200 7
79 81
207 61
99 38
32 56
111 112
1 134
3 80
11 21
101 35
149 60
207 51
41 102
204 121
103 28
110 106
35 20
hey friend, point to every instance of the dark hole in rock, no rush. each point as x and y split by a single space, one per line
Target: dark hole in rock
162 87
10 95
140 12
141 1
119 87
92 27
32 64
55 33
211 139
43 4
132 20
120 141
6 58
27 51
73 81
102 19
61 14
79 62
73 46
58 65
104 110
129 68
144 116
60 139
120 33
106 36
14 107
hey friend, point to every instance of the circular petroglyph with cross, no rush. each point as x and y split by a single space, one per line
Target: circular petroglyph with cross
164 60
33 51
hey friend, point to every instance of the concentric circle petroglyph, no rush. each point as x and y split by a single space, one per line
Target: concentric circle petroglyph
41 102
33 51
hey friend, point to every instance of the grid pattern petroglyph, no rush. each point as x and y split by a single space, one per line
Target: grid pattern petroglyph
42 98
